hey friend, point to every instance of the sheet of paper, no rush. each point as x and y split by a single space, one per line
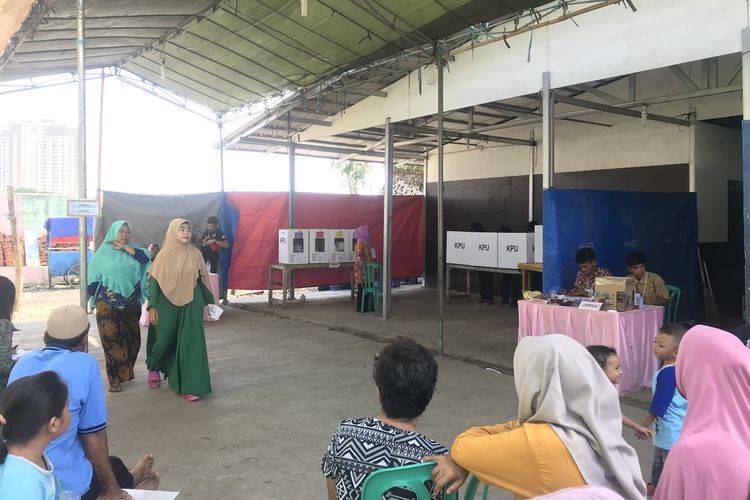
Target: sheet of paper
153 495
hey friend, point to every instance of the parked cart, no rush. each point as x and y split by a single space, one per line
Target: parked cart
63 256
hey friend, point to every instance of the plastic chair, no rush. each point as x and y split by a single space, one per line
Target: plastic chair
670 312
471 489
412 477
371 286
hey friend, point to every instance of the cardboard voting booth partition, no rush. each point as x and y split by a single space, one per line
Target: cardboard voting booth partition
538 243
471 248
513 248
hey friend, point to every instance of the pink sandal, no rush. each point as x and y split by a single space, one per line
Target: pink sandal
154 380
190 398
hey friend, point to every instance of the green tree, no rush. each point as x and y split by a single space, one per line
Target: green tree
354 172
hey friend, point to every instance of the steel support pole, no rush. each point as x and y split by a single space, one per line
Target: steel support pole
100 147
220 124
81 57
532 164
291 151
440 228
746 161
425 172
548 133
388 220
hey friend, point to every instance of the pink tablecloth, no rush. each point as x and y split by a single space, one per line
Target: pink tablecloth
214 281
630 333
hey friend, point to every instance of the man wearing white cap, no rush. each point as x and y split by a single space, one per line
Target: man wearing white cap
82 462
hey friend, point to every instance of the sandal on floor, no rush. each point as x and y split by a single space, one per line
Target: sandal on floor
115 388
154 380
190 398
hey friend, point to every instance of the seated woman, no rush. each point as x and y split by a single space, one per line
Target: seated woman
568 432
710 458
405 374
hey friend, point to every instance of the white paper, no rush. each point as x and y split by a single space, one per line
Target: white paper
214 312
152 495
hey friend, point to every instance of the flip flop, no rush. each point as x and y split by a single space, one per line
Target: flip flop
154 380
115 388
190 398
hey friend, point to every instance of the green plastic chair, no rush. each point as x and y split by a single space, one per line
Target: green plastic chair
670 312
372 286
412 477
472 486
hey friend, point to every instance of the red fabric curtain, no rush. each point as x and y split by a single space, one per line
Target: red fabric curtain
261 215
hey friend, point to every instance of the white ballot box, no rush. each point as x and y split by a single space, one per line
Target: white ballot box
319 245
513 248
293 246
341 249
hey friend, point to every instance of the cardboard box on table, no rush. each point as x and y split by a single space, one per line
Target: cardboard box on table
616 293
513 248
341 249
320 243
293 244
538 243
471 248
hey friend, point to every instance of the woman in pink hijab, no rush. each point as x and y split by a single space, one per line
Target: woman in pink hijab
711 459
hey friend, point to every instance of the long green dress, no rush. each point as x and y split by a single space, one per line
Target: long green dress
176 346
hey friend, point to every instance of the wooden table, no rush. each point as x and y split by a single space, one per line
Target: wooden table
526 268
468 269
286 269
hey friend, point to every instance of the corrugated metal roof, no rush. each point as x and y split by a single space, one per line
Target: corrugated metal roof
228 53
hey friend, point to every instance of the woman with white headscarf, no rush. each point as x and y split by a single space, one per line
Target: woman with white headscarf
568 432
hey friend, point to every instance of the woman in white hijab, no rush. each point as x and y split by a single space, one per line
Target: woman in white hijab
568 433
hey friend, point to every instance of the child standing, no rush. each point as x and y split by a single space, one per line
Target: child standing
34 411
609 362
405 374
668 407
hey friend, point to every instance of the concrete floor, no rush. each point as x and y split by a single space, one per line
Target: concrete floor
281 385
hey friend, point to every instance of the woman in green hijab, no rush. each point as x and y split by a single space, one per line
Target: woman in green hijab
117 283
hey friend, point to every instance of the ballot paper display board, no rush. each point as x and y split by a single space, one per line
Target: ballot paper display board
319 245
293 245
471 248
341 249
513 248
538 243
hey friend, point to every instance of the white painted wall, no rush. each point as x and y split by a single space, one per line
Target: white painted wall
608 42
718 159
578 147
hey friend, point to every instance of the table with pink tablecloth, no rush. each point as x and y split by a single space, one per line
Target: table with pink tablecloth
630 333
213 280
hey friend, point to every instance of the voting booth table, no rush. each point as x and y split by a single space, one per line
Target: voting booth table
630 333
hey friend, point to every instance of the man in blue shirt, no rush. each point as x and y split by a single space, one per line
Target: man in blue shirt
80 456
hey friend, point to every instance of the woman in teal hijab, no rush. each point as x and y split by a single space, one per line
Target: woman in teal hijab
117 283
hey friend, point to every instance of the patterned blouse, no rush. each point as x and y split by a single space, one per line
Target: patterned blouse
362 254
362 445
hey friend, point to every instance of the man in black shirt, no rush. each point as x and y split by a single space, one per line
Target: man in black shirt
213 240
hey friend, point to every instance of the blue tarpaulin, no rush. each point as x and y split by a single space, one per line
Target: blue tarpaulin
59 227
661 225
